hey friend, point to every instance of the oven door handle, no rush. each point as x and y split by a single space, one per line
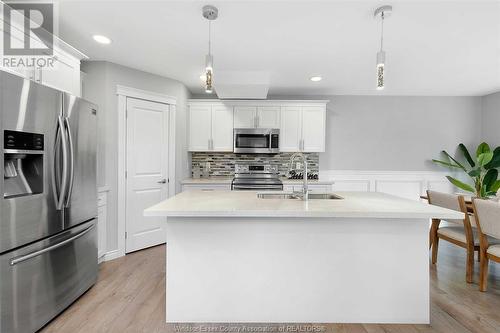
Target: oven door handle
257 187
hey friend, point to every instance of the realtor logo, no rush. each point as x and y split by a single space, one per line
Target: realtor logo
28 29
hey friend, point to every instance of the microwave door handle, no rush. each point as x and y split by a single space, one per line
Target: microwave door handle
72 162
64 181
270 141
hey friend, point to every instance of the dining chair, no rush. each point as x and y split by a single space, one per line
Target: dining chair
459 232
488 224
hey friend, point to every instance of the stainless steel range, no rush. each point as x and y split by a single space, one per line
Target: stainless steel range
256 177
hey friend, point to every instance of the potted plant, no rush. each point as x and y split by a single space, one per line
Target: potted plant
482 170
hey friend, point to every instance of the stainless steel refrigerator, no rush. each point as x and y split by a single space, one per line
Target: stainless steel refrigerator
48 207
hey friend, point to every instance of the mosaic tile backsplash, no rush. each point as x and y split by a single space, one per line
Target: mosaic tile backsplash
222 164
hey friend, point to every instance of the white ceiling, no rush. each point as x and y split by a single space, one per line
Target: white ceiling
433 47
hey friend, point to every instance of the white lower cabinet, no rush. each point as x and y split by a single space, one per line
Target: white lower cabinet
286 187
207 187
322 188
101 224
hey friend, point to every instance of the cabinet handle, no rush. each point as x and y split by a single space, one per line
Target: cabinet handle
257 121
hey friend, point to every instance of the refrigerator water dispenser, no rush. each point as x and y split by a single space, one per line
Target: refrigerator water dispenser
23 164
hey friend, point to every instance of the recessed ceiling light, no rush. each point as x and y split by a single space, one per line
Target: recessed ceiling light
102 39
316 78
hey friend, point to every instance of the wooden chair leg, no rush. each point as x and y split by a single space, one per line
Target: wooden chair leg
469 265
435 244
431 238
483 272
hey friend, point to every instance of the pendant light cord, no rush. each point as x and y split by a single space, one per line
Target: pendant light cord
209 37
382 33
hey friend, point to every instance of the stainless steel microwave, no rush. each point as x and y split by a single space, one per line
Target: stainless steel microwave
256 140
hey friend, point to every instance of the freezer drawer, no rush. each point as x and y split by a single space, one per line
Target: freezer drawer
38 281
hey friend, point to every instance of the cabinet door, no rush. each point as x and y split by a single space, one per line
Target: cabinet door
200 127
268 117
222 128
313 129
64 76
244 116
290 133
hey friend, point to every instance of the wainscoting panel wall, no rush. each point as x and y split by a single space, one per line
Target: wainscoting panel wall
405 184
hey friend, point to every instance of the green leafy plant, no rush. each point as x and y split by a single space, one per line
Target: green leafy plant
483 170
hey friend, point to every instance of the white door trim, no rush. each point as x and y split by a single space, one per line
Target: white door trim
123 92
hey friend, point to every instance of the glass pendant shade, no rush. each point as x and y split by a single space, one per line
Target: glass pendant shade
380 69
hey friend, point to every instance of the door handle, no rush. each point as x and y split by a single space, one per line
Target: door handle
163 181
72 162
64 181
18 260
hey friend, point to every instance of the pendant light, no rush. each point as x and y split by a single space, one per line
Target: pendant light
210 13
382 12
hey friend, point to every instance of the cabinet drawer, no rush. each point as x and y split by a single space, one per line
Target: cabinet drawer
42 279
221 187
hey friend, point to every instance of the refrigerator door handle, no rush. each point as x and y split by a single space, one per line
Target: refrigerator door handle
28 256
64 181
56 182
72 162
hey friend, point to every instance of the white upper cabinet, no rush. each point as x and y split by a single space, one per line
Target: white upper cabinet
245 116
63 75
290 129
222 128
256 117
313 129
268 117
210 128
200 128
301 123
303 129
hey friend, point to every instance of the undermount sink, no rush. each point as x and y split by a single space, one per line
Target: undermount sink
324 196
312 196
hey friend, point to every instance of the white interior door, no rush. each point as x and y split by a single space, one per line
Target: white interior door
147 170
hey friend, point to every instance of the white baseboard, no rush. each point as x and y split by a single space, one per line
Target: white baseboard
406 184
112 255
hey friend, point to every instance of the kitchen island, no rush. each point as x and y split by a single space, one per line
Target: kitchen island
234 257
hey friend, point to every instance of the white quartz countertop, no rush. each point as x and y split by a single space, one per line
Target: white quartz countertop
246 204
227 180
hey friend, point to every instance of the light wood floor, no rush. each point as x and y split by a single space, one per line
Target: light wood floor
130 297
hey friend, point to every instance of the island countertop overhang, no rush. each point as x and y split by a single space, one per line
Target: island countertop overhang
246 204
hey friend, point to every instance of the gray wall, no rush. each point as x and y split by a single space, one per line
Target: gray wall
491 119
100 84
397 133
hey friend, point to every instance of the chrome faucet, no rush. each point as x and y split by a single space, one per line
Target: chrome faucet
305 187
